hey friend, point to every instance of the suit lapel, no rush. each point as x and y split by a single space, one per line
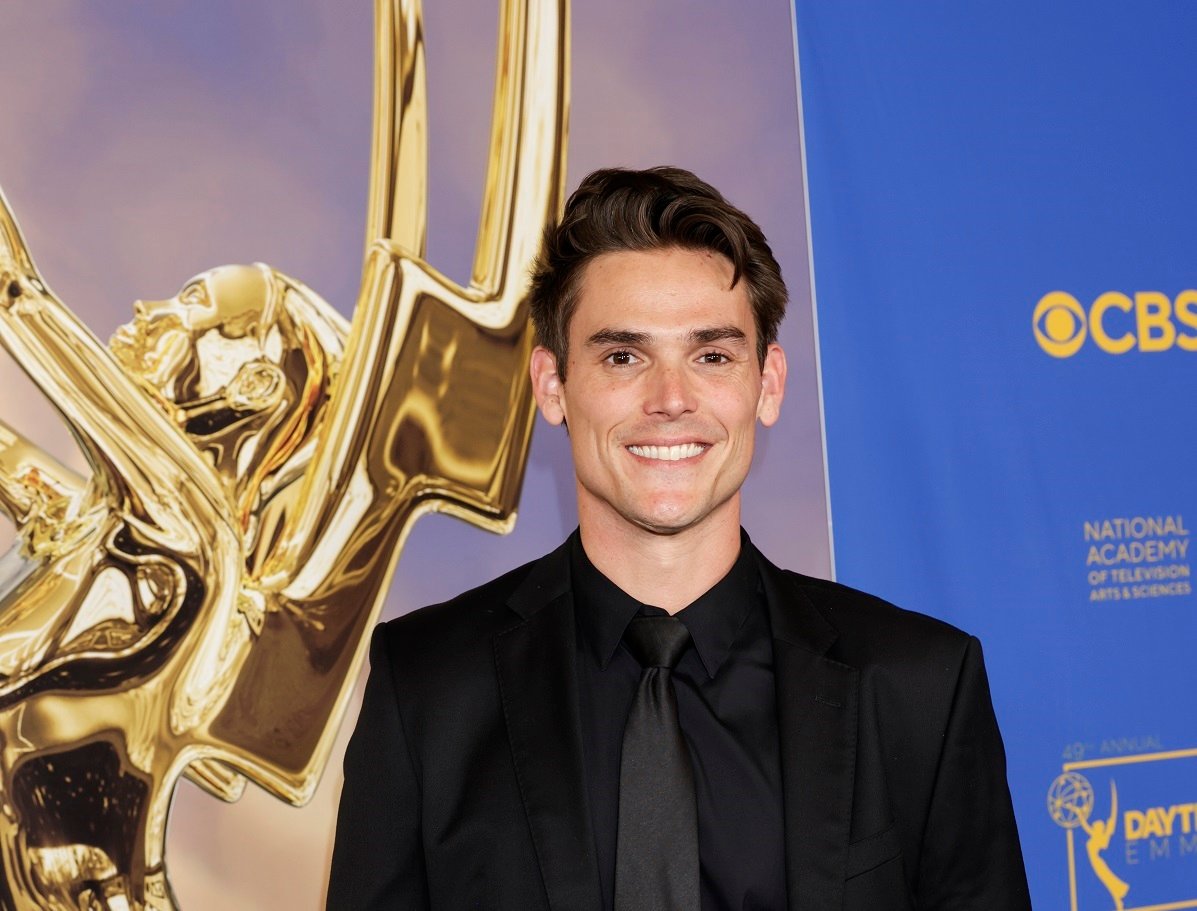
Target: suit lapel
817 723
535 662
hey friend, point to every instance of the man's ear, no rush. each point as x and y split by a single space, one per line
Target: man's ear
546 385
773 386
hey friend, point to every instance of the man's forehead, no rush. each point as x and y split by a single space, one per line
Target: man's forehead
619 265
667 292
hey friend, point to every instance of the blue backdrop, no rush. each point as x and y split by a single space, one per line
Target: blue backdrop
1002 206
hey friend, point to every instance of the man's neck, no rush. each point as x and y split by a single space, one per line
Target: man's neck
668 571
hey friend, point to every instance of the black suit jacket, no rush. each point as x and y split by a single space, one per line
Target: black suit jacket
464 779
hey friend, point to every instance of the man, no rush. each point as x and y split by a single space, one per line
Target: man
655 716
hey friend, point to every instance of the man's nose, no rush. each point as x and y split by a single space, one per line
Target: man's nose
670 391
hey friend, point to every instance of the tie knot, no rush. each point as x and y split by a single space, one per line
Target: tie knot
657 641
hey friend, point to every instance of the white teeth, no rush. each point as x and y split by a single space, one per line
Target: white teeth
667 453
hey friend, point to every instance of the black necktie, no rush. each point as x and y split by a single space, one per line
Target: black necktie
656 860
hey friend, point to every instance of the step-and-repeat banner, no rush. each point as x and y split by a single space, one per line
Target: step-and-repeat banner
1001 201
1002 205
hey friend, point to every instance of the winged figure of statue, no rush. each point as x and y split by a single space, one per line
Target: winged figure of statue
198 604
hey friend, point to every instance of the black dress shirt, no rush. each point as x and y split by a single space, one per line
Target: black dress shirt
727 711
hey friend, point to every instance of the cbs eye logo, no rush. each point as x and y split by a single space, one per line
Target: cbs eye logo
1116 323
1060 324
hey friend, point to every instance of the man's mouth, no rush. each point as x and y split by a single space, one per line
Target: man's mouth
668 453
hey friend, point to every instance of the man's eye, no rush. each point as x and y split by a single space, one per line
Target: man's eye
621 358
713 357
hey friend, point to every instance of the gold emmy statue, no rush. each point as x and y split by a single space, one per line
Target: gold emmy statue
199 605
1100 833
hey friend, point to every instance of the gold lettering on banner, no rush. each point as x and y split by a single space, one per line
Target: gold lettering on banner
1149 322
1128 864
198 605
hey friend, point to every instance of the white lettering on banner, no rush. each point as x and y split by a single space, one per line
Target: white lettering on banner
1131 558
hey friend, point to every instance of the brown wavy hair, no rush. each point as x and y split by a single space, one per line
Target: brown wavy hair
615 210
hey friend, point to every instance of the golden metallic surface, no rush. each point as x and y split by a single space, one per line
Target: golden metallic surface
199 604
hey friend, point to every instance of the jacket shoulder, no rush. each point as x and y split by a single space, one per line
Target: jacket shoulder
872 630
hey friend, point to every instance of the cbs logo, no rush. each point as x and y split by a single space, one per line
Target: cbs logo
1117 323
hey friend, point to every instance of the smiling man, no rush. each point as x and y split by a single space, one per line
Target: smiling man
654 716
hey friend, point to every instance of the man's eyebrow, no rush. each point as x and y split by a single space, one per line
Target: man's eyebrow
695 336
718 334
617 337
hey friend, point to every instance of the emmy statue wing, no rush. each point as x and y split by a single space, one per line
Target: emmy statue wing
431 408
125 436
418 340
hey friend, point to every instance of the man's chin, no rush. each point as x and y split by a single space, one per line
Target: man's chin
671 517
668 522
657 512
664 531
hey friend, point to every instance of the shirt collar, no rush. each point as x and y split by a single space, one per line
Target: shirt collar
714 619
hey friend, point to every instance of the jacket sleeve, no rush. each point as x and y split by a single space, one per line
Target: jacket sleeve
971 857
378 857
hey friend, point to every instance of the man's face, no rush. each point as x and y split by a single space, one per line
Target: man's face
663 389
